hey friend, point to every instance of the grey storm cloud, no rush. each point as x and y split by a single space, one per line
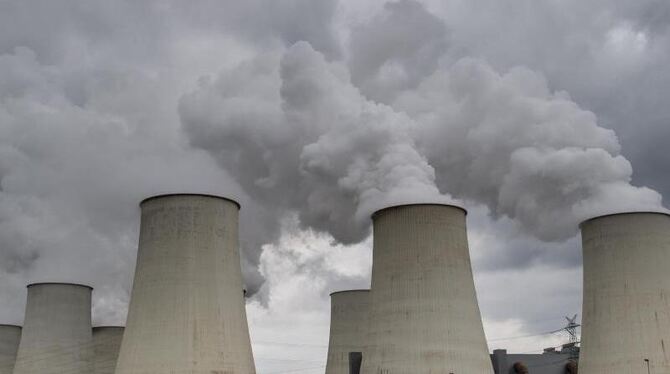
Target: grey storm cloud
535 115
145 32
396 49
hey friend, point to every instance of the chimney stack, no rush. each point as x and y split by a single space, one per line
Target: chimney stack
187 311
626 308
348 325
424 317
10 336
56 334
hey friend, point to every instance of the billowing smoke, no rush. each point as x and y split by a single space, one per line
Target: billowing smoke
507 141
301 137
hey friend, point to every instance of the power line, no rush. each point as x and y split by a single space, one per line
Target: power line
524 336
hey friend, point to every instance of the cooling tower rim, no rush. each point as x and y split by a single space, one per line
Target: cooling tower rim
623 214
355 290
108 327
59 283
191 194
377 212
10 325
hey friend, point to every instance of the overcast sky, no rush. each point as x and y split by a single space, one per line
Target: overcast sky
534 115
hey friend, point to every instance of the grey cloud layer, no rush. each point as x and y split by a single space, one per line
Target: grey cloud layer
72 175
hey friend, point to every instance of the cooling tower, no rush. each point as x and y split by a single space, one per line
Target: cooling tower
424 317
626 308
56 335
187 312
10 336
106 344
348 322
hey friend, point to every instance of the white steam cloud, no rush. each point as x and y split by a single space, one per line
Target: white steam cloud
507 141
301 137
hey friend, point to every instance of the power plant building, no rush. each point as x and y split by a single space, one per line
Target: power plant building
106 345
626 308
549 362
348 327
56 335
10 335
424 317
187 311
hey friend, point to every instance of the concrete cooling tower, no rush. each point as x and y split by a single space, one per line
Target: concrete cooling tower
106 344
187 312
10 336
424 317
348 326
56 336
626 308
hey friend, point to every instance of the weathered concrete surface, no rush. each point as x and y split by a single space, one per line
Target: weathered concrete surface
106 344
56 335
626 309
424 316
10 336
187 311
348 323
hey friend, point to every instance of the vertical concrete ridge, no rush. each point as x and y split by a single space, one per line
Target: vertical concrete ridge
424 317
626 307
56 336
187 311
348 327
